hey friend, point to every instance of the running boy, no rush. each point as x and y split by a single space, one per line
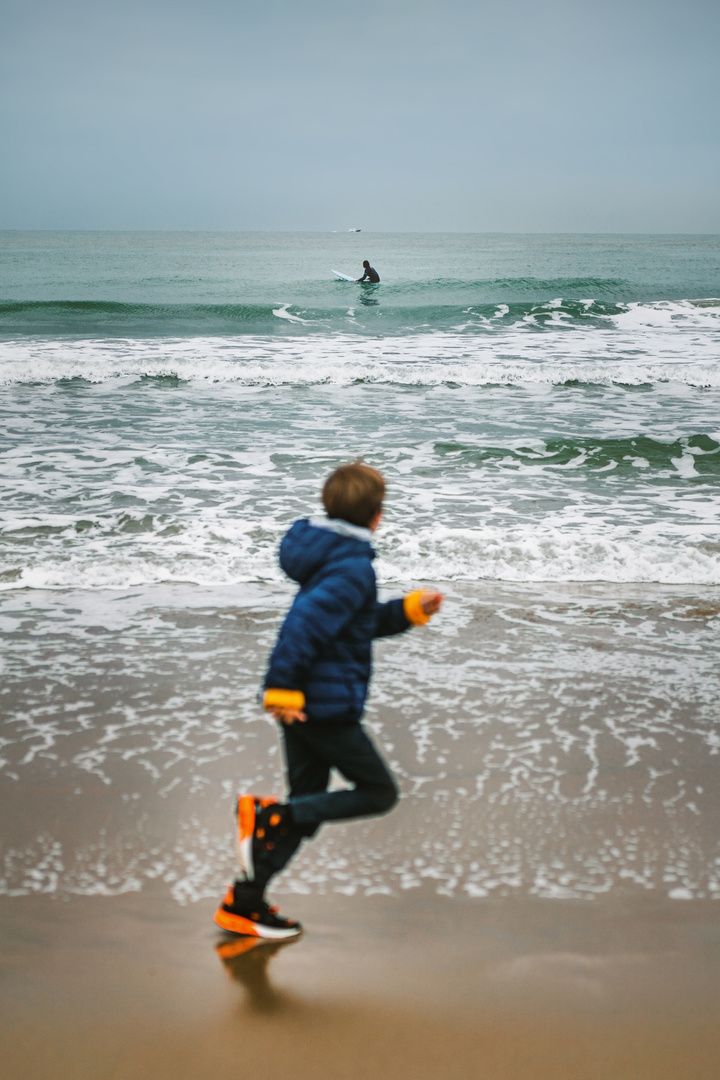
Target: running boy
315 686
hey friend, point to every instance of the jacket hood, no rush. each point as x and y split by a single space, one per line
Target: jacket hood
309 544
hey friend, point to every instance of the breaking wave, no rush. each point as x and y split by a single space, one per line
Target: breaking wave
640 344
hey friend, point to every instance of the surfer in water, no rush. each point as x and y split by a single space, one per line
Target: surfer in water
370 274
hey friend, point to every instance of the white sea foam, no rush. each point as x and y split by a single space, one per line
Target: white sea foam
646 344
214 553
283 313
116 485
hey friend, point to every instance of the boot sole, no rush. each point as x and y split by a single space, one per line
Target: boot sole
238 924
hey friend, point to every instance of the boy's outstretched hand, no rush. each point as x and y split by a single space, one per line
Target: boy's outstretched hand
288 716
431 601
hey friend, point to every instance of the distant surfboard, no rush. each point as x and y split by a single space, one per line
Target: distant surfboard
343 277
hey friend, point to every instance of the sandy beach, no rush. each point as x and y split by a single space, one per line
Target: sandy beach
543 903
424 987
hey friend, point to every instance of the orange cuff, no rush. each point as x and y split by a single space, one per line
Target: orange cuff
283 699
413 608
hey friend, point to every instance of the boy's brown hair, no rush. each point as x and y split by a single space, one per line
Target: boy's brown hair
354 493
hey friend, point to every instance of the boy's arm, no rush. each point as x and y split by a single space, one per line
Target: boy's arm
316 617
415 609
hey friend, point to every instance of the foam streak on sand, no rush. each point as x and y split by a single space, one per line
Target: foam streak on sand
552 743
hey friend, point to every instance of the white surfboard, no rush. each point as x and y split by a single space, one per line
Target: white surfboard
343 277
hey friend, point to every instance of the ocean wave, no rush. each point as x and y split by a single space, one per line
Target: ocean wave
395 313
526 283
216 553
696 455
643 344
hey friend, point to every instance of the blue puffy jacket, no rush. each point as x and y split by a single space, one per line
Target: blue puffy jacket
324 648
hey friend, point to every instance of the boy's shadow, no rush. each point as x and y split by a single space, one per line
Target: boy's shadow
246 960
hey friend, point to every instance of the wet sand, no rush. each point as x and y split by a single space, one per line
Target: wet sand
132 986
542 904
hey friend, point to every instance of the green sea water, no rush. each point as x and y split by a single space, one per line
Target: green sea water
232 283
545 407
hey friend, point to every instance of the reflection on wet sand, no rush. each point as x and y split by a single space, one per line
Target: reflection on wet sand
246 960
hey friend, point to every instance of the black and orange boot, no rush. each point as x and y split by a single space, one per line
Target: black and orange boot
244 912
272 823
247 809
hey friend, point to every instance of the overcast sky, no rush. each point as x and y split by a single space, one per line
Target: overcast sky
551 115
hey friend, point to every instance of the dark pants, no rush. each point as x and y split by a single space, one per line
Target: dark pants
311 751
